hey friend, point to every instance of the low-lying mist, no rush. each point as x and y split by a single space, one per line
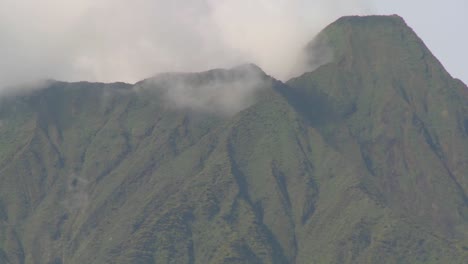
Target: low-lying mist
223 92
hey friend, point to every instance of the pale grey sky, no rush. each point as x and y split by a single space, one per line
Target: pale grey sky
442 25
129 40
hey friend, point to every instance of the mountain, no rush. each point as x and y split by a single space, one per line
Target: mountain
363 160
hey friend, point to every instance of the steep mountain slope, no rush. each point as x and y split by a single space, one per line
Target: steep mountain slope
363 160
385 98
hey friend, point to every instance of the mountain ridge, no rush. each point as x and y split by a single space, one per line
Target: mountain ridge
362 160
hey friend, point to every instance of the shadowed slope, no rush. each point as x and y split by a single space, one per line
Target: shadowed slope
387 96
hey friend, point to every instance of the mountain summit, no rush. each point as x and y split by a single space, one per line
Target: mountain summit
363 160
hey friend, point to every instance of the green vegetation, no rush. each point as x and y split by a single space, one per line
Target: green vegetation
363 160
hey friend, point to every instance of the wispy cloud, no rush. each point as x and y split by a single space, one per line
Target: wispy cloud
121 40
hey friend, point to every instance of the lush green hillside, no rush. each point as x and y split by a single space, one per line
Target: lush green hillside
364 160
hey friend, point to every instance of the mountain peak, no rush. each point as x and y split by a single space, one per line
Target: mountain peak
375 19
375 42
377 60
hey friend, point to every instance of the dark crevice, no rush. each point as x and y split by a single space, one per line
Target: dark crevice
240 178
191 250
280 180
465 125
437 150
281 183
19 252
402 92
308 208
312 191
212 144
124 154
118 160
366 157
56 261
177 134
3 212
83 155
309 166
4 258
246 253
61 159
238 175
433 144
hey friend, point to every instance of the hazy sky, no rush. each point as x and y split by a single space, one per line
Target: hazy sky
128 40
442 25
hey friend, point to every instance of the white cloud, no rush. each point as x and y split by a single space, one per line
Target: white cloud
119 40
